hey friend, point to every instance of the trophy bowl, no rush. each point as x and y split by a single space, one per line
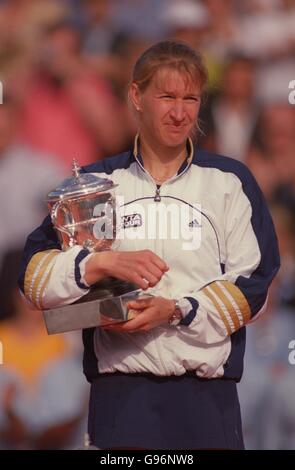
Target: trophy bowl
83 211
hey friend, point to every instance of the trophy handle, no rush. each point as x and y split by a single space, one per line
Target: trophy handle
54 213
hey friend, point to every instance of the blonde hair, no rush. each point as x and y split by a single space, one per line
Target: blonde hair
169 54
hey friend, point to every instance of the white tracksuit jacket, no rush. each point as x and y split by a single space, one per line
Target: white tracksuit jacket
211 225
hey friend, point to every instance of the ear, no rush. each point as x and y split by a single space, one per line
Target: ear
135 96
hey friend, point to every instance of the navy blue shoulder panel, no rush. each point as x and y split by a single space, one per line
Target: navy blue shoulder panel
43 238
254 288
234 366
110 164
206 159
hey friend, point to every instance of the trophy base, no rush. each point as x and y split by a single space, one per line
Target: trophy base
105 304
109 287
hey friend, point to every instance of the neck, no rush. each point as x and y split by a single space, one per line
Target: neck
161 162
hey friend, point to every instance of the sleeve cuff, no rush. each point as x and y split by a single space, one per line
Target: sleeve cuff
80 262
189 307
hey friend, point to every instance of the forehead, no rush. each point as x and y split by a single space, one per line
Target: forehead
173 80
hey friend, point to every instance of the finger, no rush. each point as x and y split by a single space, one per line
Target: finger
148 277
155 270
140 281
140 304
130 325
160 263
136 323
151 272
121 327
111 326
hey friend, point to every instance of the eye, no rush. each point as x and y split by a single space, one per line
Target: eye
192 99
167 97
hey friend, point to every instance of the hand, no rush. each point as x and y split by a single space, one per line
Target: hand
152 312
143 268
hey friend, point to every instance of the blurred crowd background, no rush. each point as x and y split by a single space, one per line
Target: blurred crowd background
65 67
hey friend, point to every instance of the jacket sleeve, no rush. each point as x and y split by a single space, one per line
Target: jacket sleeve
238 296
49 276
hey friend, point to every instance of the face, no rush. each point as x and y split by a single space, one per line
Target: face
168 108
278 127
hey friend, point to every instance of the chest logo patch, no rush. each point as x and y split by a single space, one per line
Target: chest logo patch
132 220
194 223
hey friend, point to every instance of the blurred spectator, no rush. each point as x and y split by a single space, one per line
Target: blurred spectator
141 17
279 426
22 21
25 178
224 29
267 369
269 377
267 29
271 157
186 20
230 115
99 38
267 33
273 77
126 49
284 218
43 395
68 110
99 32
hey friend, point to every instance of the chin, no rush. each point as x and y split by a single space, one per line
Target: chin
175 140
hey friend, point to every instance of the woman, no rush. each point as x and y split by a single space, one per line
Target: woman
203 244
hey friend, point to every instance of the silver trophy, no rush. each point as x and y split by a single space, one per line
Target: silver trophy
84 212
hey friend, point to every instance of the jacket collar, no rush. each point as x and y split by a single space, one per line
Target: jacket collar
185 164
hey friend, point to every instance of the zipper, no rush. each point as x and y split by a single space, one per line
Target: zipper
157 197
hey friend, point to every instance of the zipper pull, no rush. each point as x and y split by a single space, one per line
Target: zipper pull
157 197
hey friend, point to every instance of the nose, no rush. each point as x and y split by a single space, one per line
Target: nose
177 111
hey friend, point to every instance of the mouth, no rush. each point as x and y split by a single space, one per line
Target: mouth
176 128
173 125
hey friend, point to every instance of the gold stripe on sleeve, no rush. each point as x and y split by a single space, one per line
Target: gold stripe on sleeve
240 299
43 286
229 306
219 309
35 271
